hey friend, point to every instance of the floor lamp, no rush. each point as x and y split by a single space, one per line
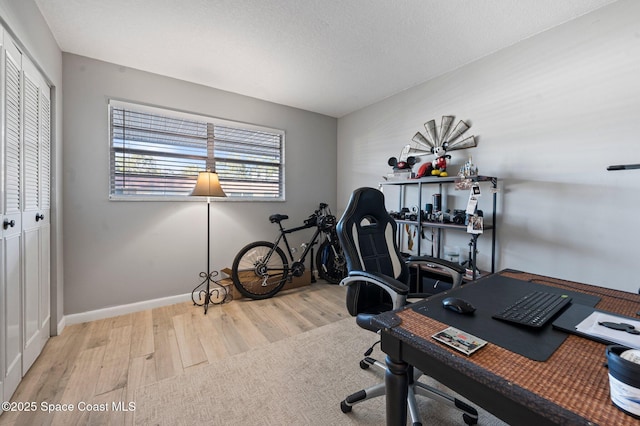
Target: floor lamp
207 185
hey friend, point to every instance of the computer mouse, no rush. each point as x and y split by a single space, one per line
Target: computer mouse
458 305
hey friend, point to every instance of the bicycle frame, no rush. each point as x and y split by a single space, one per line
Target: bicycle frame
283 237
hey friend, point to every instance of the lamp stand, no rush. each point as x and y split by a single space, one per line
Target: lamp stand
204 290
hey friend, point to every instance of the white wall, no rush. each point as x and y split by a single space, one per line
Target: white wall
119 252
29 29
551 113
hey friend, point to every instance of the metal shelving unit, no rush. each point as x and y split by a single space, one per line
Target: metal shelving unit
441 227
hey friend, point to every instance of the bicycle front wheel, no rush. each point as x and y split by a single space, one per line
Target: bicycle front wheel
331 264
260 270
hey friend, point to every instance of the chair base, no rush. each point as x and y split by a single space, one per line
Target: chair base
469 414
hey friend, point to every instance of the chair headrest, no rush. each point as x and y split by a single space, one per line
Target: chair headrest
366 202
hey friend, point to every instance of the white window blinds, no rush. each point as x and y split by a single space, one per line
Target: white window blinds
249 162
158 153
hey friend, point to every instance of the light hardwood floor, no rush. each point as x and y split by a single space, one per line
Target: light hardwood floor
105 361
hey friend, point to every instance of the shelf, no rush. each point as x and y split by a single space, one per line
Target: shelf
439 271
437 179
441 225
438 229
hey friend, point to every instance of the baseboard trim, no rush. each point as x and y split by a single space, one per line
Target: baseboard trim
114 311
60 326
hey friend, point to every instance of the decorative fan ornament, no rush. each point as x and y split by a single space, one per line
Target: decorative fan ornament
439 142
447 138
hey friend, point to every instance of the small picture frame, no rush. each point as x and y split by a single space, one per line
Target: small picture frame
476 224
460 340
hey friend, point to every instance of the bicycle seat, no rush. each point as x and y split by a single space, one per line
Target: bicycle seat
277 218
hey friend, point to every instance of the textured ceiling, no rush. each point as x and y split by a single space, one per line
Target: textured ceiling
327 56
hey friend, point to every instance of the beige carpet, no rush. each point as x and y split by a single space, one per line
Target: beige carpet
296 381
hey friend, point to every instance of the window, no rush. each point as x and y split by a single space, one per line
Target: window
157 154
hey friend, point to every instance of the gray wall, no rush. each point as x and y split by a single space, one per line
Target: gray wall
551 113
28 28
119 252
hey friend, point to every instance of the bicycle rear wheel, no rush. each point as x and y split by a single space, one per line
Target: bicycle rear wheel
331 268
260 270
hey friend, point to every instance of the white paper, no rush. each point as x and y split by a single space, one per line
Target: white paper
472 204
591 327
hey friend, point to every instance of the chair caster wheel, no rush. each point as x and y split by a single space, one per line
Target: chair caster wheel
470 420
364 365
417 424
345 408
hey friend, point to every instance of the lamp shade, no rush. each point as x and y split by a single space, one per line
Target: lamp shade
208 185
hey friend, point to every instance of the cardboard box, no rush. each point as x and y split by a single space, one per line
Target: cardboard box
296 282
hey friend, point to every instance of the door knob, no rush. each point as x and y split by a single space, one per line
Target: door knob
9 223
39 217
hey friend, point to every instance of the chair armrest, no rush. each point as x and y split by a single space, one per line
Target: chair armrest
395 285
396 289
455 270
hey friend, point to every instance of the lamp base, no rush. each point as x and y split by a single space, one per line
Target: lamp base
204 294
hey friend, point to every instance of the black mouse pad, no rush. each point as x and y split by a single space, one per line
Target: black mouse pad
492 294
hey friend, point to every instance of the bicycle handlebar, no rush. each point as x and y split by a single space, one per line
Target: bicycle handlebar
319 218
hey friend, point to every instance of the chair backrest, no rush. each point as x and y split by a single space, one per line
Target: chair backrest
368 237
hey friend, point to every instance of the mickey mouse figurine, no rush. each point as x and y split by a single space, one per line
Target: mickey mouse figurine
440 162
439 140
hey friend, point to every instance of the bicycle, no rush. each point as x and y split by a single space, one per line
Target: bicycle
261 269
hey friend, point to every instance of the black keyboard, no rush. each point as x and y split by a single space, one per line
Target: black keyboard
534 309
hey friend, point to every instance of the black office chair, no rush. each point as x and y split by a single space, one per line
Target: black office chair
378 282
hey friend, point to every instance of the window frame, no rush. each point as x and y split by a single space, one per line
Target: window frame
179 114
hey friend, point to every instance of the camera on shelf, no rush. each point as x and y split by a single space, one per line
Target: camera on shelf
459 217
404 214
396 215
437 216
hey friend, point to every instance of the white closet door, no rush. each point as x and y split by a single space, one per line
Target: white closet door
34 220
11 273
2 286
44 205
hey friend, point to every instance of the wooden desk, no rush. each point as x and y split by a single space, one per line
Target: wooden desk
571 387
